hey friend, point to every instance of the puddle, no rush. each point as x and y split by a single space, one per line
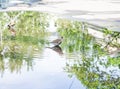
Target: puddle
81 61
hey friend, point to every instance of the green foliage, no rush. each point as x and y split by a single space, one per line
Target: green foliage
18 50
106 31
74 37
114 61
113 37
88 50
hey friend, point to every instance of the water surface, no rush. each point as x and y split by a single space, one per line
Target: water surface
29 61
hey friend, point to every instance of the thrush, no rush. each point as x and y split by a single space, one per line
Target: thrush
57 42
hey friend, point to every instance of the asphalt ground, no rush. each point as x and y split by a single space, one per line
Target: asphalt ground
100 13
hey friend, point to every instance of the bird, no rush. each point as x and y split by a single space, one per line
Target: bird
57 42
11 29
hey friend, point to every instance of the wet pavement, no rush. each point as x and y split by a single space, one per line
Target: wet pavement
103 13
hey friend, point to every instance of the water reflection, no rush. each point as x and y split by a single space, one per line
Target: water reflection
19 40
92 66
80 61
57 49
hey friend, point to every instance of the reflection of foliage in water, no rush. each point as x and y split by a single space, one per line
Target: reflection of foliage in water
71 31
113 37
93 65
30 30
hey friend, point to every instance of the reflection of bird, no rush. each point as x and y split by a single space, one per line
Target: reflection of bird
56 49
57 42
